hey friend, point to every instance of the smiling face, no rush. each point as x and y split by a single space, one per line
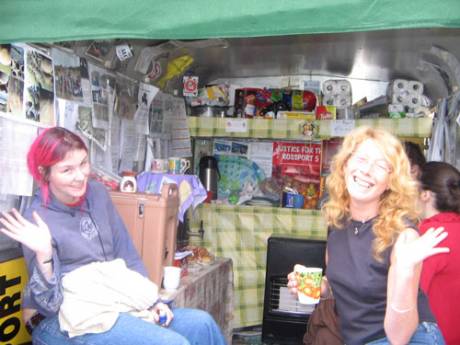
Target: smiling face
68 178
366 174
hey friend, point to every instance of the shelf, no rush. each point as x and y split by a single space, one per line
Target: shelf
292 129
222 218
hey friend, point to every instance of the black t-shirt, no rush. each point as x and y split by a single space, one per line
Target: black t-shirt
359 283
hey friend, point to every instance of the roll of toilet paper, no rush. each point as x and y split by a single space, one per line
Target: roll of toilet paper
329 100
395 108
401 97
344 87
399 85
342 101
414 100
415 87
330 87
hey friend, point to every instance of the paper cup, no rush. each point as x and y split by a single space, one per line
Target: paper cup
308 283
171 277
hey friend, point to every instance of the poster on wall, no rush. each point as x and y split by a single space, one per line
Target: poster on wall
85 125
16 81
126 92
5 72
145 97
102 91
71 77
38 87
297 166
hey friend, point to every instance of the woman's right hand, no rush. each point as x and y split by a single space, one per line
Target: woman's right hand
36 237
292 283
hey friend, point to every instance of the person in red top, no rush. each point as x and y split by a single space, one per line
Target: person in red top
440 279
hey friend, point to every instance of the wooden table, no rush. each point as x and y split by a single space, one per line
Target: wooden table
208 288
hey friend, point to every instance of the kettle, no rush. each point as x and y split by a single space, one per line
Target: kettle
209 175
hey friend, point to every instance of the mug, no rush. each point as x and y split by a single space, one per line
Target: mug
308 283
178 165
159 165
128 184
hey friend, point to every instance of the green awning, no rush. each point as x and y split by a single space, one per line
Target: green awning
60 20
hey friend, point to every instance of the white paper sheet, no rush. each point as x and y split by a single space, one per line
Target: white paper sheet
262 153
15 140
180 135
102 89
145 97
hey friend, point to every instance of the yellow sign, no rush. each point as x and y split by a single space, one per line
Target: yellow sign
13 277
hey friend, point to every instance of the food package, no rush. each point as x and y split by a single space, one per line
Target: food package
200 255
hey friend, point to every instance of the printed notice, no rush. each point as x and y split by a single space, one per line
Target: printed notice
236 125
340 128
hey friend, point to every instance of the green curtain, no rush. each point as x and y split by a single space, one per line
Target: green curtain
61 20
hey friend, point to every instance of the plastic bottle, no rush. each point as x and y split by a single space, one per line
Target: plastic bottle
163 318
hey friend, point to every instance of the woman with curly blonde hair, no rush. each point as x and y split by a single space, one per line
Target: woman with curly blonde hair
374 252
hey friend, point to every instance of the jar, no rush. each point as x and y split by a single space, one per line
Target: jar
128 183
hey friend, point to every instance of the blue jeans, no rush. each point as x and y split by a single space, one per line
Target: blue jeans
427 333
189 327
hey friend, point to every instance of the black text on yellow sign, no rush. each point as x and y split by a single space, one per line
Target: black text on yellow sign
13 277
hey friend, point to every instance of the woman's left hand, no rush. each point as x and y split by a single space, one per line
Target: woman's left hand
410 250
157 308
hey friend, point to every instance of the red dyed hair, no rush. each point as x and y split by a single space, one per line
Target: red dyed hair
49 148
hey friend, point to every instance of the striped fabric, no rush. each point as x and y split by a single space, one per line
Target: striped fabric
292 129
241 233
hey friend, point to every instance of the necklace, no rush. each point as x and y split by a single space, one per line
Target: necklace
357 228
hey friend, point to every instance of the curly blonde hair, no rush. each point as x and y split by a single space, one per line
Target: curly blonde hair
397 204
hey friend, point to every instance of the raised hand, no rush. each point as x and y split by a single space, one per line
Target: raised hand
410 251
36 236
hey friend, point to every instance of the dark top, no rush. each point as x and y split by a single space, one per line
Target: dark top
359 283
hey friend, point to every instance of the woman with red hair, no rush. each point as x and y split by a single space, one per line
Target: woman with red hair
70 224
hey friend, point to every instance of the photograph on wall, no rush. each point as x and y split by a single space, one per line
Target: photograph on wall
85 125
16 81
146 94
5 72
39 87
68 75
102 51
102 90
156 114
126 92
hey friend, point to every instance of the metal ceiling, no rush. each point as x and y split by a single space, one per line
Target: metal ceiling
373 55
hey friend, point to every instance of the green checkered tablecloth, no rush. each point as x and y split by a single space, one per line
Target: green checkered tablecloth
292 129
241 233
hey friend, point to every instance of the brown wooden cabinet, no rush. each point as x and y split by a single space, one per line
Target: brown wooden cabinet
151 220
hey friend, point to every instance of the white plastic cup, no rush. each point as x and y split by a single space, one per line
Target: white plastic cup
308 283
171 277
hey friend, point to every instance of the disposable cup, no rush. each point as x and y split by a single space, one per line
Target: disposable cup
308 283
171 277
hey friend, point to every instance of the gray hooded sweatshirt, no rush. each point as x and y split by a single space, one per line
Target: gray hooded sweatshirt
90 232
